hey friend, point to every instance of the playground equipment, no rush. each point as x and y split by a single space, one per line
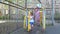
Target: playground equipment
27 20
29 26
42 19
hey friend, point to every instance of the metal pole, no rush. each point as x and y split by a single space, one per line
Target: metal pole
44 19
53 12
25 4
39 1
17 14
26 12
9 11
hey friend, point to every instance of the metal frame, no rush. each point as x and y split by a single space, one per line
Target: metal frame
12 5
15 4
53 22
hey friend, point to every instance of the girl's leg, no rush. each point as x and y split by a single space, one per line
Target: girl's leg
32 25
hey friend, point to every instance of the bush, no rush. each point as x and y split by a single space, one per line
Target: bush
4 17
1 17
57 16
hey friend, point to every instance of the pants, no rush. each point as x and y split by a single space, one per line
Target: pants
31 23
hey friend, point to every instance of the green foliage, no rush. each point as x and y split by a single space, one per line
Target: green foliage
4 17
57 16
1 17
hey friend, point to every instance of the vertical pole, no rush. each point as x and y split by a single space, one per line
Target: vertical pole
44 19
25 4
26 18
26 12
24 26
29 27
17 13
53 12
9 11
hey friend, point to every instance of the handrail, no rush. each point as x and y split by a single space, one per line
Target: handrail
12 6
15 4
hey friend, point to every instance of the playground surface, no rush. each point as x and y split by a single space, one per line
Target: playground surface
17 28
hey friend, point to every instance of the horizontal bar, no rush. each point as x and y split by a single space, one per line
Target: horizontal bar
11 5
15 4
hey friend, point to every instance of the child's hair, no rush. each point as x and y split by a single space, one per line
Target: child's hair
31 13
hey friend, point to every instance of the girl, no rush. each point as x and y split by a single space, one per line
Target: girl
37 16
31 20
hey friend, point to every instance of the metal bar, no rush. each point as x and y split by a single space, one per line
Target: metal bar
15 4
53 12
26 12
21 8
9 11
17 15
26 4
39 1
12 5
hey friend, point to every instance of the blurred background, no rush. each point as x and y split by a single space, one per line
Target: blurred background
12 13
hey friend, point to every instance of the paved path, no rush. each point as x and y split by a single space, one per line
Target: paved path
37 30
